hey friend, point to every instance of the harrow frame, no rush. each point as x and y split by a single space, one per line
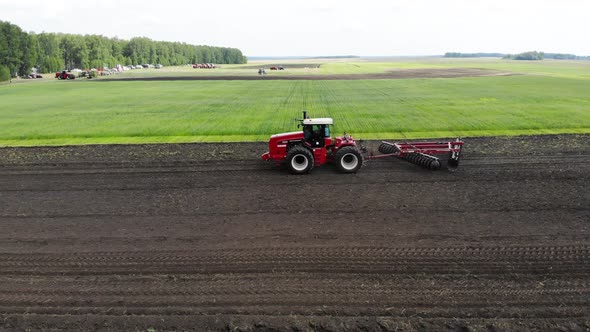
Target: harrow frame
421 153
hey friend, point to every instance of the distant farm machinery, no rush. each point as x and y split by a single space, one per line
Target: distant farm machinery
313 146
65 75
204 65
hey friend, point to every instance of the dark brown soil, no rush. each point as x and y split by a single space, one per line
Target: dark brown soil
394 74
209 237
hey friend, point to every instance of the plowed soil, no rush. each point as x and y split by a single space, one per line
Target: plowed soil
209 237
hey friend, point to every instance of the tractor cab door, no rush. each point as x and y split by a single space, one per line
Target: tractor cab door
315 135
327 138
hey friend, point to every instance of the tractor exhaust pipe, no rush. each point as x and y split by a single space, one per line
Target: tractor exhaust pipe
301 120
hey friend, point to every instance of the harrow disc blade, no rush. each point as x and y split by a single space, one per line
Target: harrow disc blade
423 160
386 148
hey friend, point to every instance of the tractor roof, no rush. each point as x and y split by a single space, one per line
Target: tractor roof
318 121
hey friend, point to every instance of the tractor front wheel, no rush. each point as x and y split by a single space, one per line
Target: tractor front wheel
299 160
349 159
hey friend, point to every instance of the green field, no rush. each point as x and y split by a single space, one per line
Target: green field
546 97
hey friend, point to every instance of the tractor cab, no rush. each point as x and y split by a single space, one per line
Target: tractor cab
316 132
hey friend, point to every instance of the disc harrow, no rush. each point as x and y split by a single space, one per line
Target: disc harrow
423 154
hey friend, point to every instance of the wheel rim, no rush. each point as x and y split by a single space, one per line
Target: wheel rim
299 162
349 161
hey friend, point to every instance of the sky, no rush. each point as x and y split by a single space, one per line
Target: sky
323 27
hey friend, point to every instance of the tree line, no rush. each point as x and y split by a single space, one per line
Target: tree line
48 52
473 55
565 56
534 55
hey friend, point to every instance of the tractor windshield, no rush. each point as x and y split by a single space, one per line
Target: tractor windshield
315 134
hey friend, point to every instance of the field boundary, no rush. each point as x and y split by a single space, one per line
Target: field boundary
264 138
392 74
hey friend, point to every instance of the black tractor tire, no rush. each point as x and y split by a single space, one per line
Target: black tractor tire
299 160
349 159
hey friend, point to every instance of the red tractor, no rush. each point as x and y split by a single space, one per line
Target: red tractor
313 146
64 75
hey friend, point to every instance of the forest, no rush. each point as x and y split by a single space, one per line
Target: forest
521 56
20 51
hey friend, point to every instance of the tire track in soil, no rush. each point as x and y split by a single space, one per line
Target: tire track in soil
571 260
297 293
471 168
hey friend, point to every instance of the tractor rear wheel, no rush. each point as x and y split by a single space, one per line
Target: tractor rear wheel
349 159
299 160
